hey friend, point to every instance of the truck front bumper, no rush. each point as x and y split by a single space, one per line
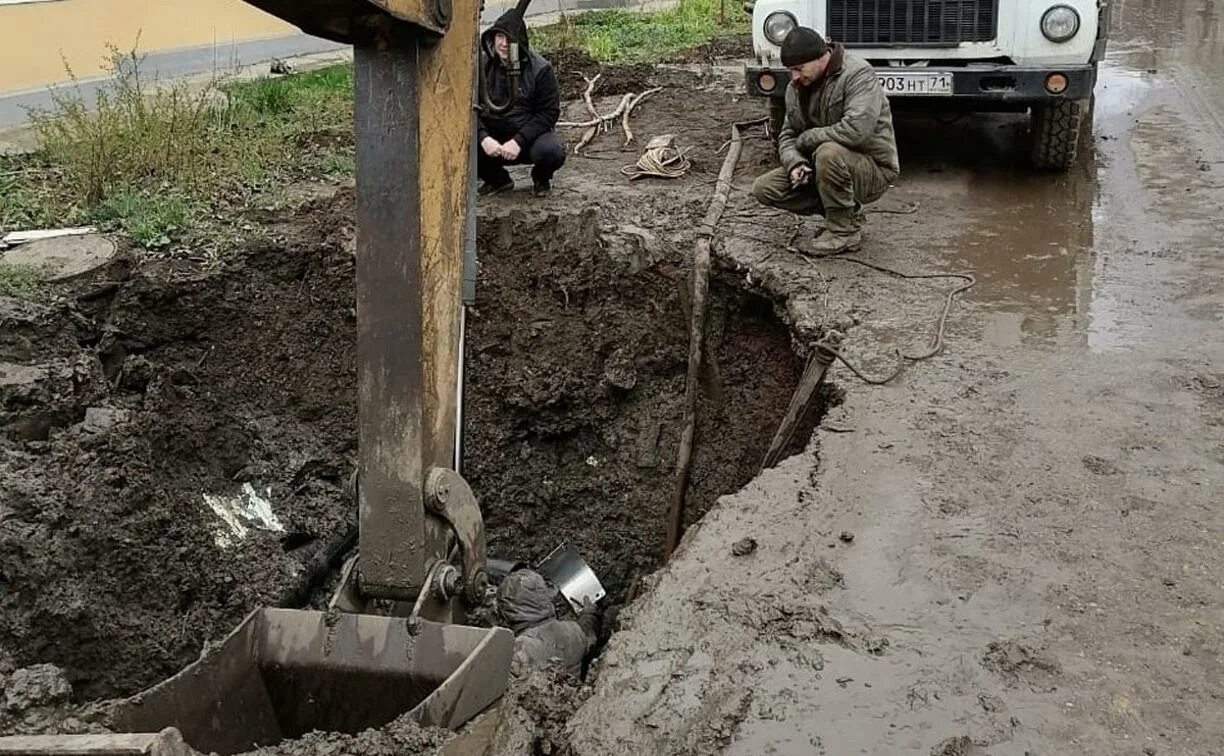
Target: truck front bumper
989 83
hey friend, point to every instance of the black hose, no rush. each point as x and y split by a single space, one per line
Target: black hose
486 101
326 559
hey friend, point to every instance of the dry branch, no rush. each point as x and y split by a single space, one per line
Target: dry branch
595 123
697 322
629 110
590 90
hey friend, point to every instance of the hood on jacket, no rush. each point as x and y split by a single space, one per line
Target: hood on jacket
514 26
525 599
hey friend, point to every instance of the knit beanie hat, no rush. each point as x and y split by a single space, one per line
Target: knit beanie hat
802 45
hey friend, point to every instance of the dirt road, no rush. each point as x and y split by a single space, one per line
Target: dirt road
1037 532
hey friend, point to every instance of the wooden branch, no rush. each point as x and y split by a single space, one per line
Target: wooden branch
800 405
594 124
633 104
590 90
697 324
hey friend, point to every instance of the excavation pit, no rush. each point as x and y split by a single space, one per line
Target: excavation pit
146 397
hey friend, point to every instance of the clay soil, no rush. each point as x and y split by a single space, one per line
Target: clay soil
150 385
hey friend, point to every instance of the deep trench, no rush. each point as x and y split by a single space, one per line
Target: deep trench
577 349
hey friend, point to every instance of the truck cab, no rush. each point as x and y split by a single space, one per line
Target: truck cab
1038 56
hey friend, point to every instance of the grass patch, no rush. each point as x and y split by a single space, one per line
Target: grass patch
21 281
152 220
624 36
164 161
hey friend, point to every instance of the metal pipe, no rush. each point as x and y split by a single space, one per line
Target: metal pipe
467 296
458 462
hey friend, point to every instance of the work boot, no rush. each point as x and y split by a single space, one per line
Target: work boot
541 187
835 242
841 232
488 188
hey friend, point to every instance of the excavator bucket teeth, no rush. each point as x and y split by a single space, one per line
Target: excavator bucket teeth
283 673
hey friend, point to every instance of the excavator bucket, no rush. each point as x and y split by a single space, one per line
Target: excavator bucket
283 673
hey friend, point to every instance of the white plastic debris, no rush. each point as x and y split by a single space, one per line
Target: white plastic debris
21 237
242 512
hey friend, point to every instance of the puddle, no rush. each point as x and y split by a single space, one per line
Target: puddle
1097 258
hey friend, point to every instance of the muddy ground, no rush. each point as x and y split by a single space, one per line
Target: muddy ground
1013 549
1037 536
152 388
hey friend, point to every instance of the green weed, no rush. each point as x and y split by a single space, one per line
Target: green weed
629 36
152 220
153 159
20 281
132 135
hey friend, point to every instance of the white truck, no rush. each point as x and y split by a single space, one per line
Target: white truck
978 55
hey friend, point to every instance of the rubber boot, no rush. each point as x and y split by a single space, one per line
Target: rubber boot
860 217
841 235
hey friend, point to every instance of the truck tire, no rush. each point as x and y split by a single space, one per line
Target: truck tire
1057 128
777 114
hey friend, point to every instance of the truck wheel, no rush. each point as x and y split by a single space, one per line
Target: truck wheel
777 114
1057 128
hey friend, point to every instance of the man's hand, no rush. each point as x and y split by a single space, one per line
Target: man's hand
490 146
510 150
800 175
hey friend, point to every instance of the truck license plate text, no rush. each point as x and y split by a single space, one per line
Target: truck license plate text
916 83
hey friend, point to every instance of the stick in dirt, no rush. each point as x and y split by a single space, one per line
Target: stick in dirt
697 321
800 404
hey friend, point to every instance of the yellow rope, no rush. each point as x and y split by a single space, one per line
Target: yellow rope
660 162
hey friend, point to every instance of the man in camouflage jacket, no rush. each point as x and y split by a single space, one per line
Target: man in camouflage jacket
836 143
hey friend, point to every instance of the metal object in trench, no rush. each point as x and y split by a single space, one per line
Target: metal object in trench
567 570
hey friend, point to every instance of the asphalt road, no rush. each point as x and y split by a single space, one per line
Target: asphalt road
14 107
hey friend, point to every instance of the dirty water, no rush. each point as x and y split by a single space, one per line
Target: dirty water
1071 261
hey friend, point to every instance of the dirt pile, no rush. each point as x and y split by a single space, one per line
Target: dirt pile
402 736
172 395
37 699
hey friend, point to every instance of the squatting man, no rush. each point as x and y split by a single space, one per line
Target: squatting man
836 143
518 119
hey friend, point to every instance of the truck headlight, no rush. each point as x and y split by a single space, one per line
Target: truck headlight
1060 23
777 25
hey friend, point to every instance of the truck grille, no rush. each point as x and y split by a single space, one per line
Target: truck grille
912 22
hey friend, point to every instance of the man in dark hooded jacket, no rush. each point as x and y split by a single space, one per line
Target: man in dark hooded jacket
518 117
525 603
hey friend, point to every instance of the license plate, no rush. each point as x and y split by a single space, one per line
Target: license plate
921 83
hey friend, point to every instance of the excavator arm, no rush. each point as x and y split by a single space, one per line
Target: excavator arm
413 105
